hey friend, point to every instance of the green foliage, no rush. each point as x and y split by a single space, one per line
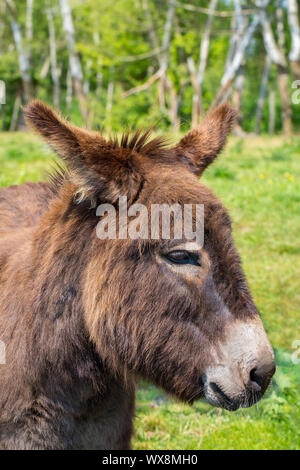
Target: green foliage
109 35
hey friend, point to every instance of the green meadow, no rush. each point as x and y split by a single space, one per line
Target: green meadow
258 181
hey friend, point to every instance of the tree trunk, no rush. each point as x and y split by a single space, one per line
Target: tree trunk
232 43
284 91
197 92
174 107
237 99
239 27
109 101
15 114
3 117
294 55
75 65
283 78
69 94
295 66
23 57
271 112
237 60
29 29
262 94
53 60
152 32
238 47
99 76
277 56
86 83
203 55
2 103
2 27
280 28
164 59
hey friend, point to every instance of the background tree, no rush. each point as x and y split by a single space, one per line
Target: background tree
110 64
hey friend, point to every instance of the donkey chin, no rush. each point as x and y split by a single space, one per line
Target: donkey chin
244 366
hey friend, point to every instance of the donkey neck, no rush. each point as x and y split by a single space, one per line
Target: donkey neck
69 367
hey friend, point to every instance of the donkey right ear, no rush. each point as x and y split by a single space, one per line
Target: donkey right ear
95 167
201 145
67 140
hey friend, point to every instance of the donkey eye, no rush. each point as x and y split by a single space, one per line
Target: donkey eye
183 257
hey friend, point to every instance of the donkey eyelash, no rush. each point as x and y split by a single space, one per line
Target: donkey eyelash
183 257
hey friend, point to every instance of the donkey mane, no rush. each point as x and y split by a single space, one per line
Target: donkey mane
139 141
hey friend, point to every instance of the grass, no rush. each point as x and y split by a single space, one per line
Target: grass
258 180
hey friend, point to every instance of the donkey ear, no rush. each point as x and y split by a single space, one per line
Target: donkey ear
67 140
202 144
95 167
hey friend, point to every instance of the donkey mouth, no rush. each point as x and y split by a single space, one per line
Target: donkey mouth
223 400
217 397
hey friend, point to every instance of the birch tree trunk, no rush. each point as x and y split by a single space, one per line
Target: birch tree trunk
262 94
237 99
232 43
69 93
15 114
280 28
277 56
241 27
99 76
174 107
284 91
75 65
238 46
53 60
164 59
109 101
29 29
197 91
271 112
23 57
2 84
294 55
152 32
2 103
2 27
197 79
237 60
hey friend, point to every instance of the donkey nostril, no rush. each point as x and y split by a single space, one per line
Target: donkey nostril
261 376
254 377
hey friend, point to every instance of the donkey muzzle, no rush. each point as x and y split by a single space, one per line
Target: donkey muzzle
220 395
244 366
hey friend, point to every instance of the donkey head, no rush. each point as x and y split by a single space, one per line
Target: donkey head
171 309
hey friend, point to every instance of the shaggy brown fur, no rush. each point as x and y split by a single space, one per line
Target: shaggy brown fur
83 318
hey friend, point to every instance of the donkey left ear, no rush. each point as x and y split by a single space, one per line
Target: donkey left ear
202 144
96 167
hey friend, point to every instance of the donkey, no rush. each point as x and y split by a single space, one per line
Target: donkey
83 318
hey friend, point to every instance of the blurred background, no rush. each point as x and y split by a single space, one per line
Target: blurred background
110 65
135 62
